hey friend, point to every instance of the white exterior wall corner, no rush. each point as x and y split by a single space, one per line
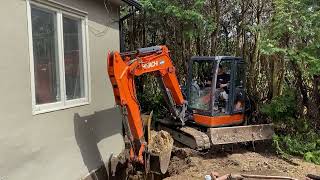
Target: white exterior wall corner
64 144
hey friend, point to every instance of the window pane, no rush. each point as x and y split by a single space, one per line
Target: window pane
239 99
73 58
201 85
45 52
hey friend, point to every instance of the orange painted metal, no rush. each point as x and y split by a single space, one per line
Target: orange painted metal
122 70
218 121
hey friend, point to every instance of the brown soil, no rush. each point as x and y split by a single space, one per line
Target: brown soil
160 142
187 164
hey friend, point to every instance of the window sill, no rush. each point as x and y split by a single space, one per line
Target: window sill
38 110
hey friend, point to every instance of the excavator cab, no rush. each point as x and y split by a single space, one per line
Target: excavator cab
216 90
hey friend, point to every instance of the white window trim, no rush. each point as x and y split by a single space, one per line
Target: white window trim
63 103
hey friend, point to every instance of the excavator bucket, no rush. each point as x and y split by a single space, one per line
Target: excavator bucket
237 134
159 163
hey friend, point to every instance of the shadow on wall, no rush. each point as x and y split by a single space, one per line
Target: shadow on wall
89 131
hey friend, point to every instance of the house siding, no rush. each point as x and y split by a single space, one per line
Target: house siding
64 144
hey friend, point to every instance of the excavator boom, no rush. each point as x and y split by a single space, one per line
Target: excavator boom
122 68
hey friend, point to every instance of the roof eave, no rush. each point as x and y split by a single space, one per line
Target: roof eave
133 3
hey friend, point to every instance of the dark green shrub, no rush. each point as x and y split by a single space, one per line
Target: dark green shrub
294 135
281 108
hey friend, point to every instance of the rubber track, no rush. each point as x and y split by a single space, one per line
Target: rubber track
202 140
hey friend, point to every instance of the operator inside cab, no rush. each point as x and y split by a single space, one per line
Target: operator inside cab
223 80
221 92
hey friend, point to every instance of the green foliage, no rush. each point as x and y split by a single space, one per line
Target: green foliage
150 96
173 9
190 14
294 135
281 108
309 63
295 33
268 48
306 145
313 157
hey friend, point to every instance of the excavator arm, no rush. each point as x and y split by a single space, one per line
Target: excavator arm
122 68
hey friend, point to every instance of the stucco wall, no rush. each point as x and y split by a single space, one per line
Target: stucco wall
64 144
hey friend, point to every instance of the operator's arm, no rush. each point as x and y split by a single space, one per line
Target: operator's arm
223 80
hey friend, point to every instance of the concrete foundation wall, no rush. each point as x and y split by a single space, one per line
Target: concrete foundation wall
64 144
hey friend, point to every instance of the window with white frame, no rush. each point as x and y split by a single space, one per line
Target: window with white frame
59 58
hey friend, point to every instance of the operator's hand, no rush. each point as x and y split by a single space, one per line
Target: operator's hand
223 85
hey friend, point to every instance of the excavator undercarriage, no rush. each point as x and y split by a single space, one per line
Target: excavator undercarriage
200 138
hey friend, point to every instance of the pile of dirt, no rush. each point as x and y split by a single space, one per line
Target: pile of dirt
187 164
160 142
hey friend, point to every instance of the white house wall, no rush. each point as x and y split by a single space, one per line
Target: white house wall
64 144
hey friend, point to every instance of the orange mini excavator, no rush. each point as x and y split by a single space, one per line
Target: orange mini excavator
211 110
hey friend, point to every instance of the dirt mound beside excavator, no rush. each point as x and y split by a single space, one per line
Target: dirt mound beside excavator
189 164
160 142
